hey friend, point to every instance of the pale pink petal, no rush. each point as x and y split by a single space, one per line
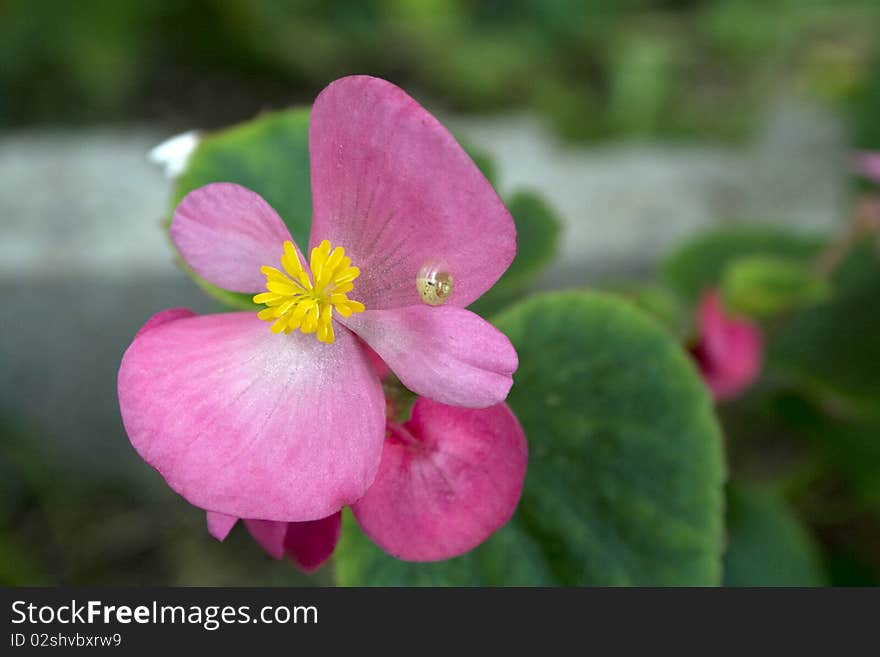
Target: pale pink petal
310 544
449 478
269 534
252 424
226 232
728 351
219 524
392 186
444 353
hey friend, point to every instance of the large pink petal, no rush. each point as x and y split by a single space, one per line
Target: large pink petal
310 544
392 186
226 232
449 478
219 524
445 353
728 351
251 424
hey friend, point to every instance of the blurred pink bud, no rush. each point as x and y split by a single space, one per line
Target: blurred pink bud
867 164
728 350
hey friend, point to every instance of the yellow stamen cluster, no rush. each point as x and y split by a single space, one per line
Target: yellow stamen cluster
293 301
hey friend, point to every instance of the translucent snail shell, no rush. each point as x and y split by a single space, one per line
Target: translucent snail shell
434 283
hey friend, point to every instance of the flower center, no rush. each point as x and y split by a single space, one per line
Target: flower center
295 301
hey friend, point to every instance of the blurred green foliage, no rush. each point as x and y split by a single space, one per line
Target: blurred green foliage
834 347
766 544
58 527
594 67
703 261
625 474
764 286
804 444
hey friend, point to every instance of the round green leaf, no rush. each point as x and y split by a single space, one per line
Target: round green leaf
624 485
767 545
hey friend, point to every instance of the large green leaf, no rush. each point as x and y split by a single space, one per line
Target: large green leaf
767 545
701 264
537 237
625 476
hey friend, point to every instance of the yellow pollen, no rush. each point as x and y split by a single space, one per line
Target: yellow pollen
295 301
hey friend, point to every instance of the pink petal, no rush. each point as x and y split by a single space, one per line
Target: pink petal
449 478
445 353
163 316
226 232
392 186
310 544
219 524
380 367
269 534
307 544
251 424
729 350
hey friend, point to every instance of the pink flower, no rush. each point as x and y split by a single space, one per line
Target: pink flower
284 419
728 349
449 478
867 164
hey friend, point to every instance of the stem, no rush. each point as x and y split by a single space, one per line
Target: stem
866 221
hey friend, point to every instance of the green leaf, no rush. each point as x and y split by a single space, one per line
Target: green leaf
767 545
537 237
625 476
701 264
659 302
270 155
848 443
834 348
763 286
846 568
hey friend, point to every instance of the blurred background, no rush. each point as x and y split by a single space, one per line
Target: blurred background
641 122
